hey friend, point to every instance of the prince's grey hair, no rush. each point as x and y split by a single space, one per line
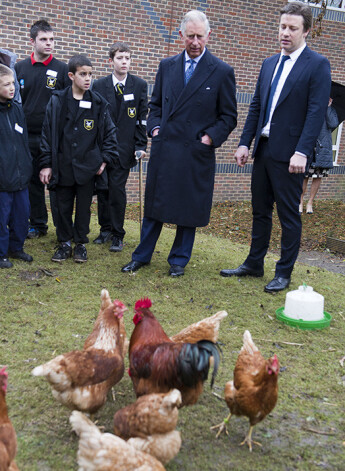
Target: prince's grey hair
195 16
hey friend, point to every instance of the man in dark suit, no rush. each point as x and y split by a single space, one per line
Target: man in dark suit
192 112
127 96
285 117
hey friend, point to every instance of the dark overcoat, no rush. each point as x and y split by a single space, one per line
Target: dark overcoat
180 179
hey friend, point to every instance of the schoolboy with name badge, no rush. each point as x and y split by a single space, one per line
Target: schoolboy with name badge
78 142
127 96
15 174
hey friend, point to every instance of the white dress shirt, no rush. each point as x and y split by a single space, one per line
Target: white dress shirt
286 70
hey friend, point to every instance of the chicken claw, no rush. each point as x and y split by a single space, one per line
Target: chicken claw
248 440
222 426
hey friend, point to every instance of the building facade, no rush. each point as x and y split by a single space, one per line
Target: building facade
244 32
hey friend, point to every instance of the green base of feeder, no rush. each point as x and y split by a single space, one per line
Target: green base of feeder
301 324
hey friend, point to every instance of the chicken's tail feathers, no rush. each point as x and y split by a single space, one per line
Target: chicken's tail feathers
196 359
105 299
81 424
173 398
248 344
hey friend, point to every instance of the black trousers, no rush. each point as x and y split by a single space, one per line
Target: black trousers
112 202
66 229
38 213
272 182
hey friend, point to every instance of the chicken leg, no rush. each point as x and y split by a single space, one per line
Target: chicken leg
248 440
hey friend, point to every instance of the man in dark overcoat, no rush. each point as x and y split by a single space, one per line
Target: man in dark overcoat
192 112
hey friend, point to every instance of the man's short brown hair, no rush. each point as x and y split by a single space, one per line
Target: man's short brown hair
302 9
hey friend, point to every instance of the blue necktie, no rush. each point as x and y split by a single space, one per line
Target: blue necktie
273 88
190 70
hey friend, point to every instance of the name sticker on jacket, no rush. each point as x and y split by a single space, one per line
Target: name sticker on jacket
128 97
85 104
18 128
51 73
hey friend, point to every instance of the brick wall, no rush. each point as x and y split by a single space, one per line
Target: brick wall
244 32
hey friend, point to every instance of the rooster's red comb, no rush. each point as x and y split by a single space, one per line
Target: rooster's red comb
143 303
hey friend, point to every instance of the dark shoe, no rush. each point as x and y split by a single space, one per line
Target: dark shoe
242 270
277 284
63 252
116 244
133 266
5 263
176 270
35 233
80 253
103 237
21 255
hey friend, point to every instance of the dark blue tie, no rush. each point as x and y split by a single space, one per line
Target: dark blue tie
273 88
190 70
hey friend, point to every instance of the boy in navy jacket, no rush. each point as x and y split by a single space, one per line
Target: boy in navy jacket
78 141
15 174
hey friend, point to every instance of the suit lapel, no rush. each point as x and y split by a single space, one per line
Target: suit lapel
110 95
267 79
176 75
203 70
129 89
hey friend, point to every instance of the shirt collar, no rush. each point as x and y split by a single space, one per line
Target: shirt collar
116 81
295 54
46 62
196 59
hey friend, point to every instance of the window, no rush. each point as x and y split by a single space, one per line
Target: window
331 4
336 134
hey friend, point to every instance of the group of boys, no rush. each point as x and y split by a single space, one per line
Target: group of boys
75 140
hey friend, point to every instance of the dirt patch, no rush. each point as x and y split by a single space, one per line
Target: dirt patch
325 260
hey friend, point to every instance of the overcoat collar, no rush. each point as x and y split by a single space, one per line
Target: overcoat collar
182 93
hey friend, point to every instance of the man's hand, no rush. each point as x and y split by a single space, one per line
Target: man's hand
45 175
155 132
206 140
139 154
101 168
297 163
241 156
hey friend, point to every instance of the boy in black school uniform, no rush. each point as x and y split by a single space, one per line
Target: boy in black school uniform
15 174
38 76
127 96
78 141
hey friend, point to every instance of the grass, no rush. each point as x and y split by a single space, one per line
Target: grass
48 309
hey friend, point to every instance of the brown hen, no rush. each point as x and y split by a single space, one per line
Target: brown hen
106 452
206 329
8 438
82 379
254 390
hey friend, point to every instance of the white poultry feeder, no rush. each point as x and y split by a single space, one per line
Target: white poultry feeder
304 308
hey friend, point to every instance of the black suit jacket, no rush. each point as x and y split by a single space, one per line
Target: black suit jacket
130 119
300 110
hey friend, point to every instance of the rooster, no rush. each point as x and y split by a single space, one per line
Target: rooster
157 364
106 452
254 390
206 329
82 379
8 438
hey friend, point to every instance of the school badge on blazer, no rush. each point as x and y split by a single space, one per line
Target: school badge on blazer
51 82
132 112
88 124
